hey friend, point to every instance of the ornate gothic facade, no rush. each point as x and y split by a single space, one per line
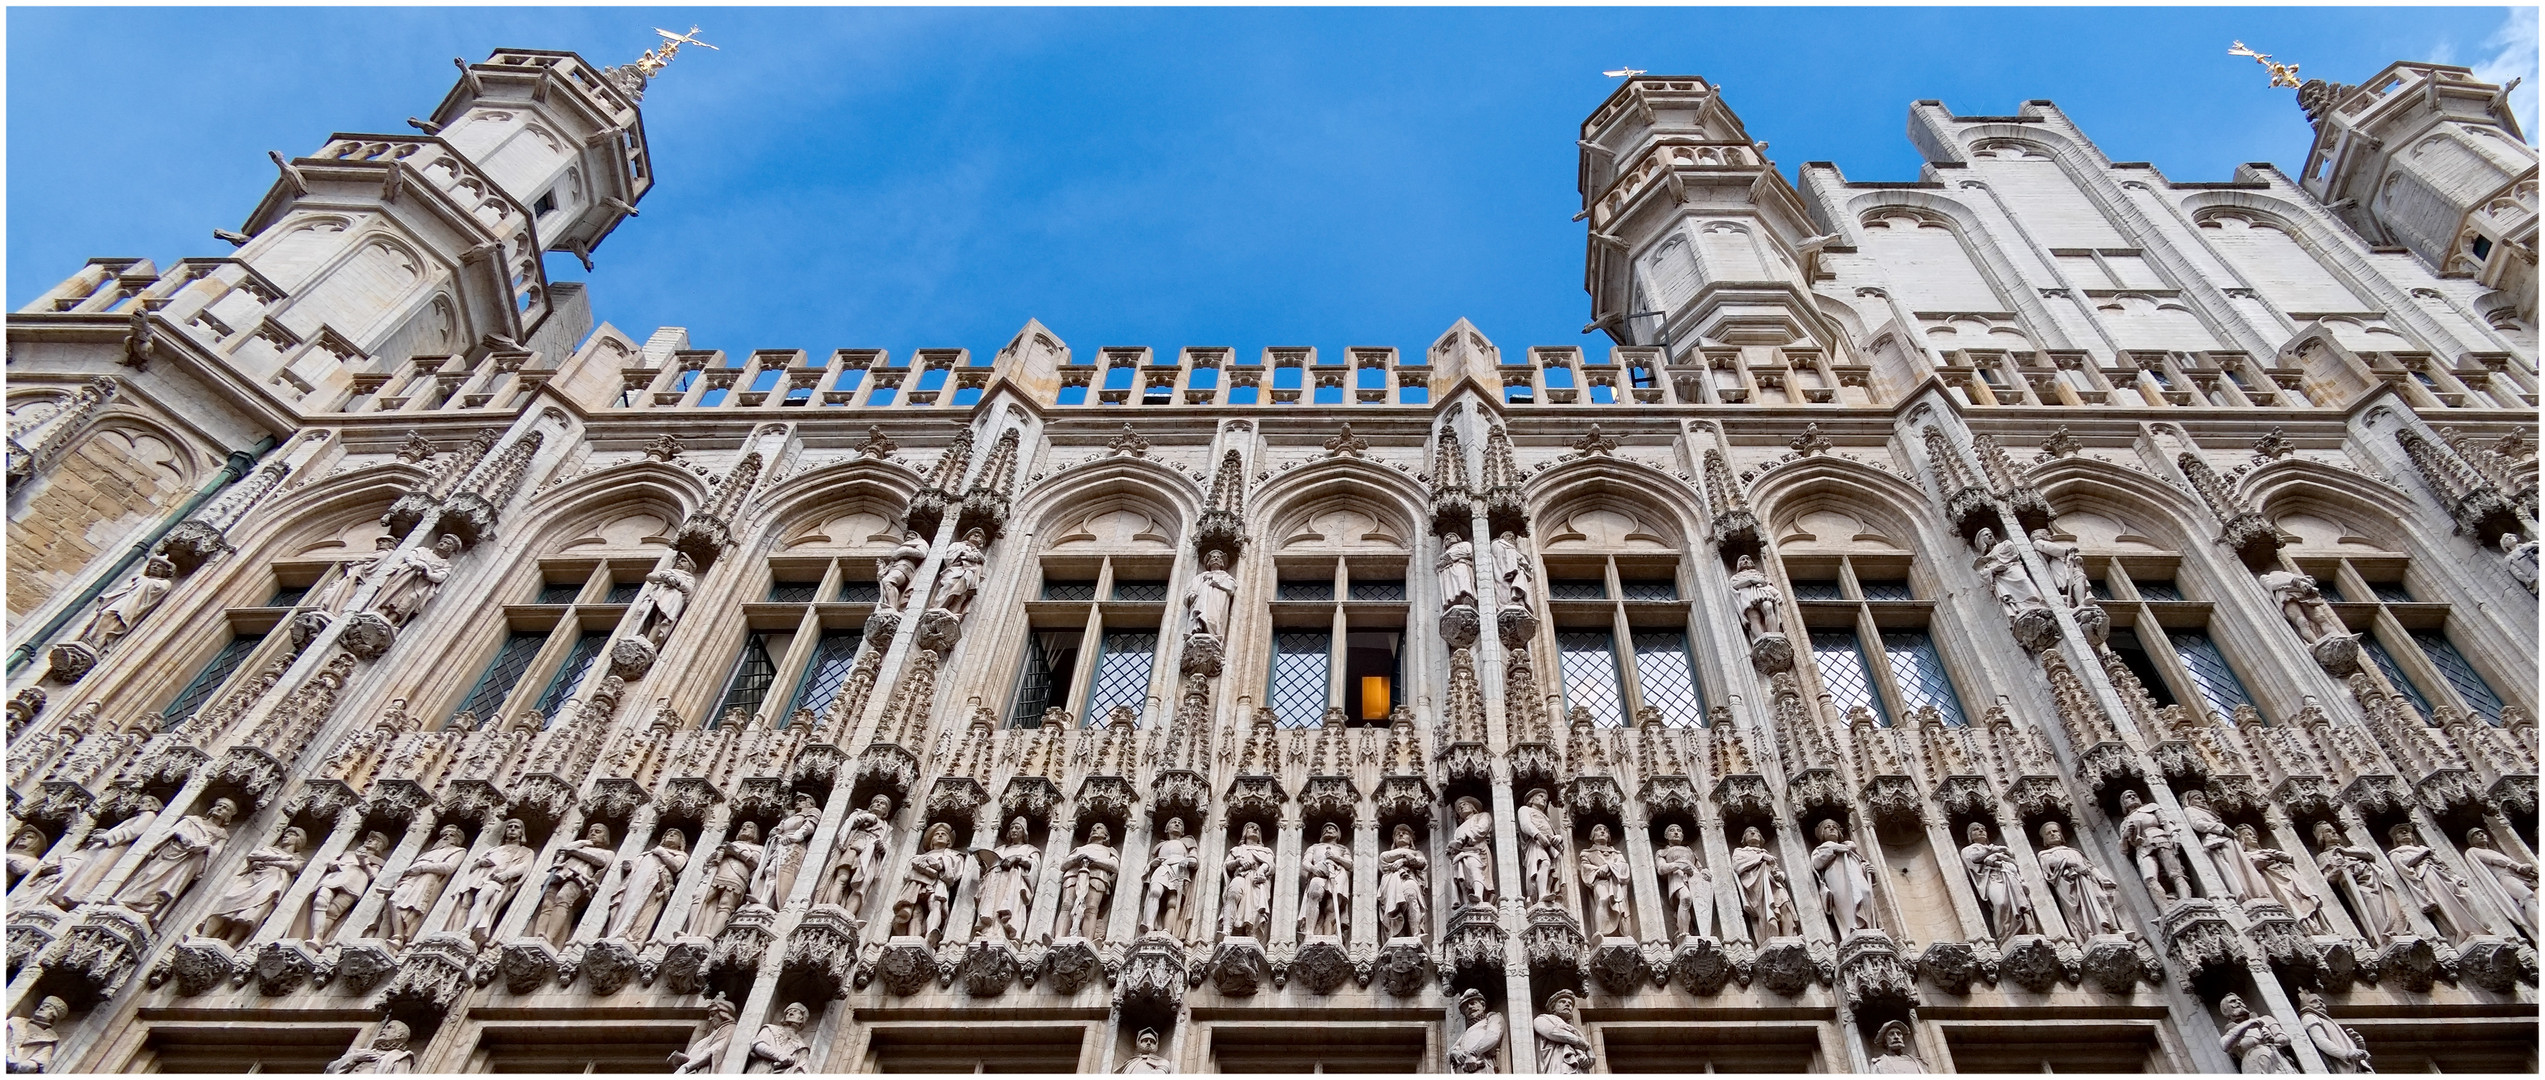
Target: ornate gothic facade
2042 614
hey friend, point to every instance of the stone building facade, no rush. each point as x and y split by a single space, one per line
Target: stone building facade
2041 614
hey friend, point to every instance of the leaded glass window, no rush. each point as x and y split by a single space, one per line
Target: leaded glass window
1295 589
1069 590
215 672
860 592
1122 672
1649 589
1577 589
1140 592
485 698
2460 674
2394 672
2219 688
1817 590
1887 590
753 671
287 595
1379 590
1589 659
1048 657
1669 677
833 656
793 592
2391 592
1843 671
559 592
2158 590
578 659
1917 670
623 592
1300 667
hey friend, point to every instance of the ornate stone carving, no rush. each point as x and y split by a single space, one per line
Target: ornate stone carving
1153 973
1321 966
1785 966
1473 944
1704 966
988 968
431 975
1871 975
1402 967
1620 966
1552 941
1238 967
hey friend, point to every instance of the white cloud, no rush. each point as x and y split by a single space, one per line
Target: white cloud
2514 57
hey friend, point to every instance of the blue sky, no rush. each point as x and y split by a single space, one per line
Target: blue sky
905 178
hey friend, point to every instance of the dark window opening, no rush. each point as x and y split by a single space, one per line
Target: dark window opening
753 671
793 592
1049 657
1370 670
1069 590
1139 592
2125 643
493 684
215 671
1296 589
1379 590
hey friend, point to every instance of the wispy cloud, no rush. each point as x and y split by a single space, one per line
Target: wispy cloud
2513 56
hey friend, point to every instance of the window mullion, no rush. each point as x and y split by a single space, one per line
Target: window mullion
1091 642
1338 646
1630 678
799 654
1886 686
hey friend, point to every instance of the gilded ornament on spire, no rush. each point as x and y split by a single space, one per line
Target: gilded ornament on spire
656 59
2281 74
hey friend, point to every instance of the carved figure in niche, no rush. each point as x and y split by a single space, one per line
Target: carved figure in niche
2088 898
1087 875
1541 848
2342 1048
386 1055
2226 851
780 1045
1245 908
2301 604
1754 599
2275 872
1471 853
645 887
737 861
1511 565
32 1039
26 853
421 883
927 890
1897 1055
2521 555
2001 567
1687 891
342 883
893 573
1325 885
2256 1042
339 589
1998 884
2067 569
1148 1062
2152 845
706 1050
121 608
1846 880
857 856
1605 884
2354 870
1404 888
257 889
1456 569
1167 898
1208 597
661 609
492 880
177 860
2436 887
410 579
575 873
961 577
1766 897
1562 1049
783 857
2510 882
83 868
1007 884
1479 1047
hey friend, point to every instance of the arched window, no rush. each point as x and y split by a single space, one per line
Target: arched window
2160 629
802 634
2405 633
1338 614
1097 613
1619 615
1866 614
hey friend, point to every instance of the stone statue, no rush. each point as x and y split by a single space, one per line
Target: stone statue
1998 884
1471 853
338 590
2151 843
420 884
574 874
1605 885
2342 1049
1325 885
780 1045
1845 879
1898 1054
121 608
2510 882
2067 569
1687 891
32 1039
1404 888
177 860
1209 596
2226 852
706 1050
492 880
1167 899
386 1055
894 573
1087 876
2001 567
257 889
81 870
661 609
1479 1047
1456 569
1511 565
2521 556
1754 598
1245 908
342 883
2088 898
1007 884
2446 896
26 853
858 854
927 889
2301 604
783 858
410 578
962 574
2275 872
2355 871
2256 1042
1541 848
645 888
1562 1049
736 862
1766 898
1148 1062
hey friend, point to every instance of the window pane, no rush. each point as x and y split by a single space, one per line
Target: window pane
1047 657
1589 658
753 671
833 656
1577 589
2324 588
1299 668
215 672
487 697
1379 590
1145 592
287 595
2220 690
1649 589
853 591
2392 592
578 659
1918 669
792 592
1304 590
1887 590
2394 672
1817 590
1069 590
1122 673
1841 660
1669 677
623 592
2452 666
556 592
2125 643
2161 589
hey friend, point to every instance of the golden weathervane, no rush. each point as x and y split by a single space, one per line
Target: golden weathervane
2281 74
657 59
